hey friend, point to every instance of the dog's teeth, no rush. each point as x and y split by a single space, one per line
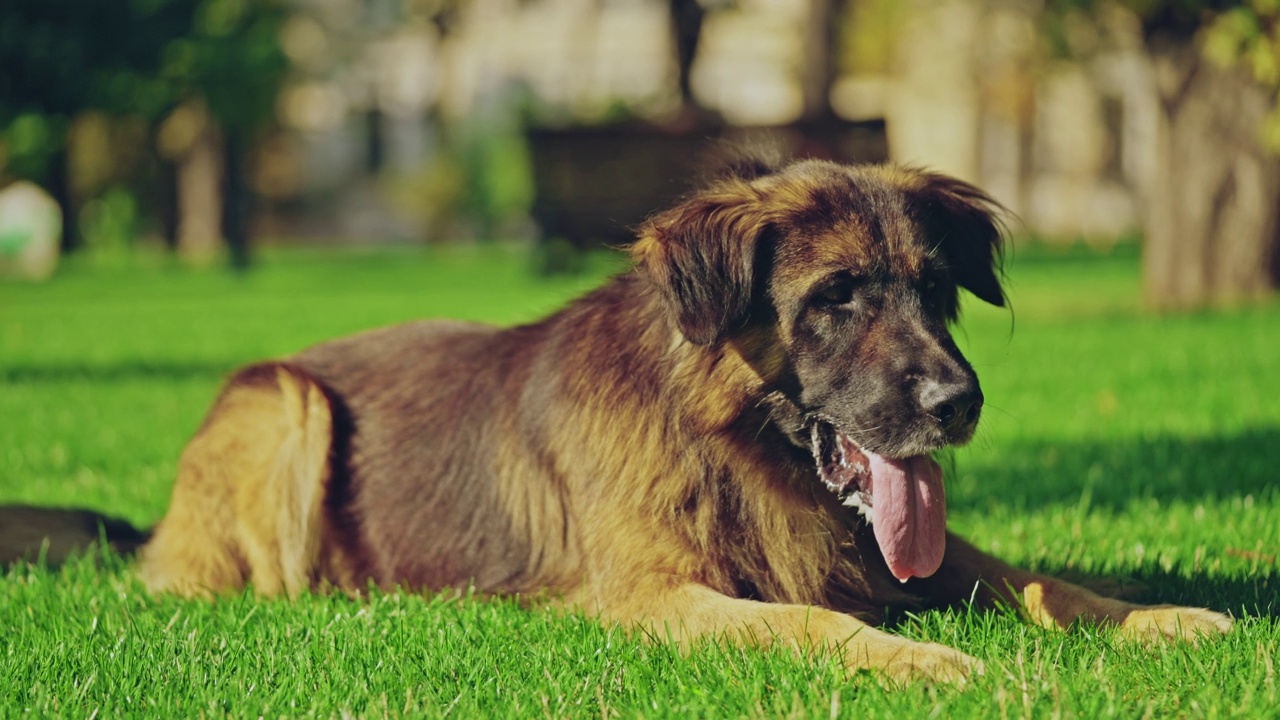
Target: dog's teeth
854 500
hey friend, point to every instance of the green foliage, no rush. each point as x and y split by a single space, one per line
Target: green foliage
110 223
476 185
1232 33
30 143
1113 442
232 59
62 57
495 165
1248 36
142 57
1181 18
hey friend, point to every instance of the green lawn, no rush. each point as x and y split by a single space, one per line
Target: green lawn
1114 443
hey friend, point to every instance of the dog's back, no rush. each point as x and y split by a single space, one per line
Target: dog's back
424 429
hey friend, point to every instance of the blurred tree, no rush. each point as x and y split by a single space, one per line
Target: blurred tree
686 31
1213 218
821 55
64 57
145 58
231 60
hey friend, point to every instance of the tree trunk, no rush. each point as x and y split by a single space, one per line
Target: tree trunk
686 29
60 189
235 199
1213 218
821 48
167 199
199 184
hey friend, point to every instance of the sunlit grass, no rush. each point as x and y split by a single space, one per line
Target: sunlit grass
1114 442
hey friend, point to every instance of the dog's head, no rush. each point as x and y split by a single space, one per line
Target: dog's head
838 283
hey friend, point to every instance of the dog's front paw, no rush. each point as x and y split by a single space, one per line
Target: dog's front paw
1160 622
915 662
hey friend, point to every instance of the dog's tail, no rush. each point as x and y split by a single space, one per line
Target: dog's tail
52 535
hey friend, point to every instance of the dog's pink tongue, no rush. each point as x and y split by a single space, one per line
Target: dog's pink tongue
909 513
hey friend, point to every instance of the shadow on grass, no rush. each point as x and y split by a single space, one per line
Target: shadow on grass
1240 596
1253 595
117 372
1111 474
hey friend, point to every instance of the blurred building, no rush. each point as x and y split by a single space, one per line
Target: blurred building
388 89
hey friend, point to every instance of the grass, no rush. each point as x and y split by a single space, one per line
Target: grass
1115 443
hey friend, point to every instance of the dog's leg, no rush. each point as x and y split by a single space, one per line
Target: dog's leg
247 503
967 572
687 613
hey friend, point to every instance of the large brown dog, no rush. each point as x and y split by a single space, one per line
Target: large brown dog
733 439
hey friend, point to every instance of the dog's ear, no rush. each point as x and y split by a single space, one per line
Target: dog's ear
965 222
701 255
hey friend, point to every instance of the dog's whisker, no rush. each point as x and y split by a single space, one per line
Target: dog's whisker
765 423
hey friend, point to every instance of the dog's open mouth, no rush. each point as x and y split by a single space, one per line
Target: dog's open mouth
902 498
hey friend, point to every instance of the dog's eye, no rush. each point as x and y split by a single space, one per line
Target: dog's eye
837 291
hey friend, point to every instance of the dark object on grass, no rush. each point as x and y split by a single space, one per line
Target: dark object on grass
52 535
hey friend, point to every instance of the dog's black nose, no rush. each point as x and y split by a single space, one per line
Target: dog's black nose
956 406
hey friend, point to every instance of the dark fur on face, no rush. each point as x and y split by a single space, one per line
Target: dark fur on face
855 272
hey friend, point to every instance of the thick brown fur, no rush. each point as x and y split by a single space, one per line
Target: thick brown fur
641 454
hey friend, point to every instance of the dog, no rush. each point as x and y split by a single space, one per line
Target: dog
732 440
